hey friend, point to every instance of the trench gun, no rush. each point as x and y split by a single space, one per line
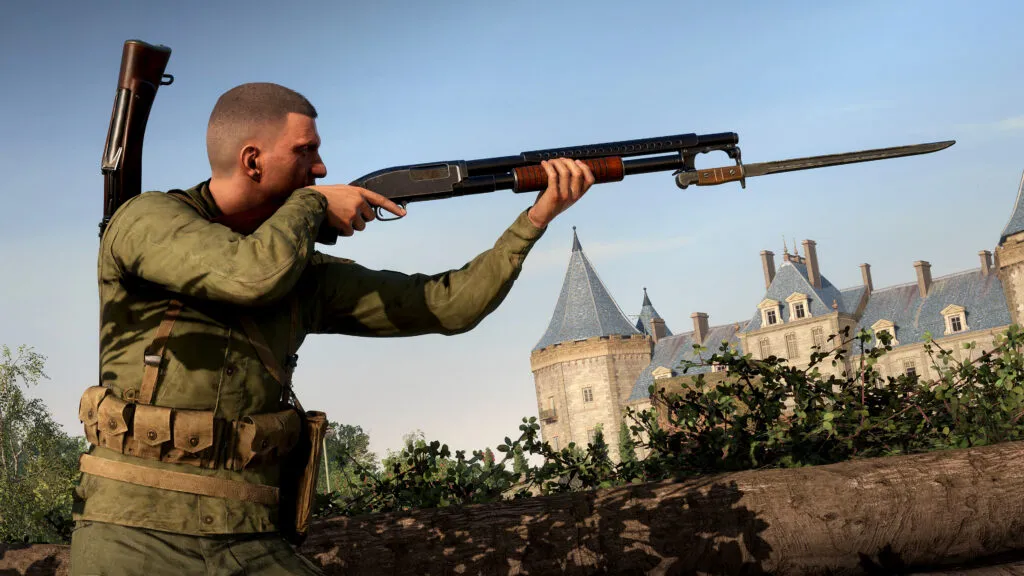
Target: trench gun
142 73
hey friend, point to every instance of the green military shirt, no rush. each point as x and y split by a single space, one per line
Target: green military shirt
158 248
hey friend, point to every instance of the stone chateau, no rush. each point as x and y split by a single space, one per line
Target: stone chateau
592 361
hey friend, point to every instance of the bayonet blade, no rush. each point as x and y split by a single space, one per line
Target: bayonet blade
714 176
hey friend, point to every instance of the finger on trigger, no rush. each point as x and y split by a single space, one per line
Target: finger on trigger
384 202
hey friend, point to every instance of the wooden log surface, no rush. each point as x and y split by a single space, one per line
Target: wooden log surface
952 512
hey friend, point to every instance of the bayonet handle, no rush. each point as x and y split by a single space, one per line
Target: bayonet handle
715 176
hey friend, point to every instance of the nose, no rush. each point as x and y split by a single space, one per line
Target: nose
319 169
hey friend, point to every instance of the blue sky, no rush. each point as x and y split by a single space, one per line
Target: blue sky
407 82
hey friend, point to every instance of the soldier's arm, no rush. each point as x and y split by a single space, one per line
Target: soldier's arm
164 241
352 299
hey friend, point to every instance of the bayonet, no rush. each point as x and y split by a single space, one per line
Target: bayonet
740 172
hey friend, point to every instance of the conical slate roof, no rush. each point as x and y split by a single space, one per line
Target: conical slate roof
585 308
647 312
1016 223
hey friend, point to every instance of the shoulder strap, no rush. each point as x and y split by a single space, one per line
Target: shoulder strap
282 374
154 354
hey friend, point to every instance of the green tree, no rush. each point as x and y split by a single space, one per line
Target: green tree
38 461
627 448
347 458
519 463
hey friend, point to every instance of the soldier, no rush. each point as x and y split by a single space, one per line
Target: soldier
204 294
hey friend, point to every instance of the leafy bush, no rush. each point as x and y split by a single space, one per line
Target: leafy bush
759 414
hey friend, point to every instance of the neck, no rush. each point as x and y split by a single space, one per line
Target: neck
232 195
240 204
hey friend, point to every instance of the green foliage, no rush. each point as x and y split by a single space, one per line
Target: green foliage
347 458
38 461
758 414
627 449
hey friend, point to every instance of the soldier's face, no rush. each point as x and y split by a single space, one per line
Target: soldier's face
294 160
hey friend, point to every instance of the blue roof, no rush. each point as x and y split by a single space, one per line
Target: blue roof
792 277
849 298
1016 223
671 351
647 313
981 296
584 309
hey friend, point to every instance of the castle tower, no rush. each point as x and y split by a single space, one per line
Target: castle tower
1009 261
650 322
585 364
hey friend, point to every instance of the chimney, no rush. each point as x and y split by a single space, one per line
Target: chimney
924 277
986 262
813 272
865 274
768 263
700 327
658 330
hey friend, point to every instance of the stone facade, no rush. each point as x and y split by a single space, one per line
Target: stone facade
593 363
585 384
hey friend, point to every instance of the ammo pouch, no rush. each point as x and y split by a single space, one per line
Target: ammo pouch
193 437
299 474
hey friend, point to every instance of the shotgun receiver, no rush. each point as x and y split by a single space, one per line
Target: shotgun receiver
142 73
523 173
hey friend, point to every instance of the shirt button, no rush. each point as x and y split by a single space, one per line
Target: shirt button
151 434
112 424
193 441
208 519
230 371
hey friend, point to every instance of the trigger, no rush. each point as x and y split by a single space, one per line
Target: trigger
381 213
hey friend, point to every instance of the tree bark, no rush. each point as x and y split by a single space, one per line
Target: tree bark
926 513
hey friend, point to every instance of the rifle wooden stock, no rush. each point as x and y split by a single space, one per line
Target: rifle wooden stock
142 73
534 178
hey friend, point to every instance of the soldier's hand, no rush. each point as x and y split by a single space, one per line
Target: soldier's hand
349 208
568 181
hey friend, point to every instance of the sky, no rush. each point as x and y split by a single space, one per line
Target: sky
409 82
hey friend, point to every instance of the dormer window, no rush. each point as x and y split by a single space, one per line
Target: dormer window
661 372
884 325
799 307
956 319
771 312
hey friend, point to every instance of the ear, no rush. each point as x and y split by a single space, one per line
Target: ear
251 162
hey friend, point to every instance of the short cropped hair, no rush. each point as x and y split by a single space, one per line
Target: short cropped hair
242 112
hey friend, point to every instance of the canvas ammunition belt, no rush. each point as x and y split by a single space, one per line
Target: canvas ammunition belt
193 437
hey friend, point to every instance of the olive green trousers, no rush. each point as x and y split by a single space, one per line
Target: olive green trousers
111 550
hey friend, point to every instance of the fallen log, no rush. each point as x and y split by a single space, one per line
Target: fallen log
934 512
